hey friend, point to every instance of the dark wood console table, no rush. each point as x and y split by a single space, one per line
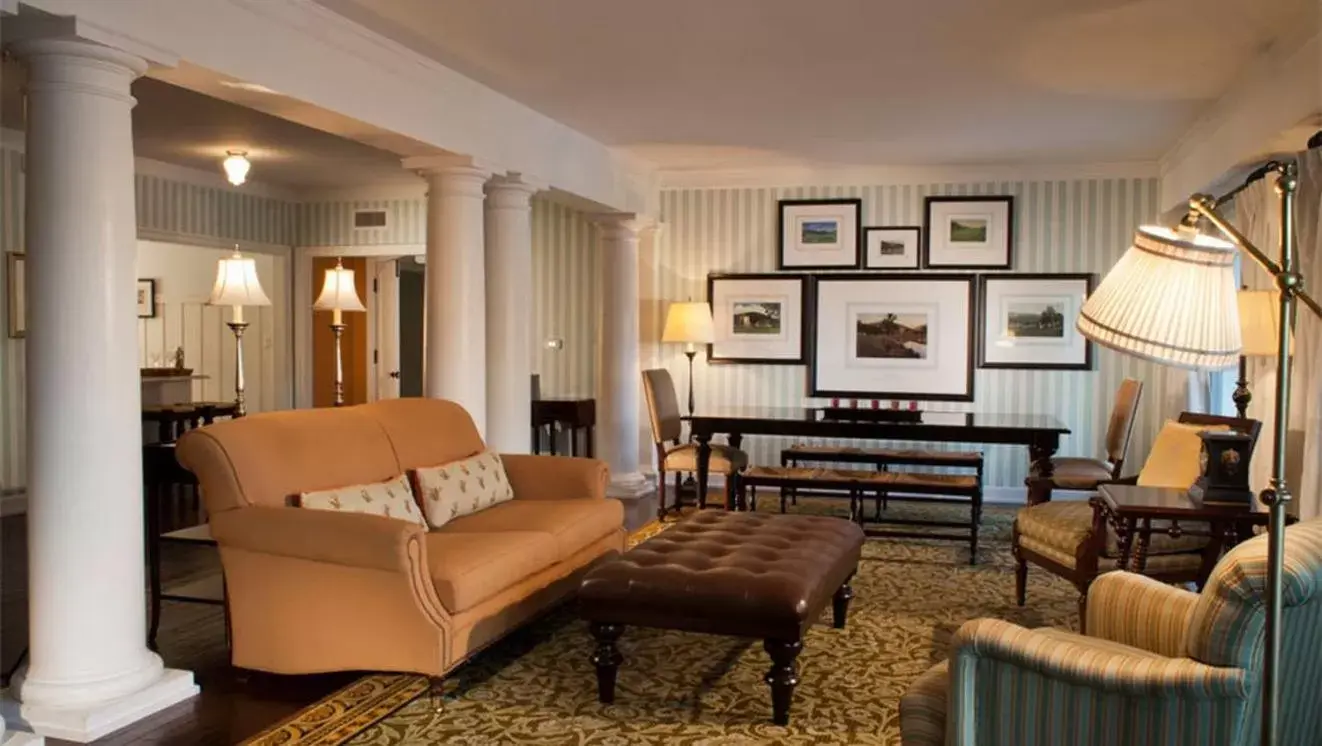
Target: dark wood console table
571 414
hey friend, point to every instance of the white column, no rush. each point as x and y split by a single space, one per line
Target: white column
89 669
619 377
509 313
454 366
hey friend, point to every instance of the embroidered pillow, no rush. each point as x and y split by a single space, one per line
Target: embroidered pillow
392 499
463 487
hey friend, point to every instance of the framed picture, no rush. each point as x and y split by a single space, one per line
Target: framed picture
17 313
906 336
819 233
758 318
1028 321
891 247
968 232
146 299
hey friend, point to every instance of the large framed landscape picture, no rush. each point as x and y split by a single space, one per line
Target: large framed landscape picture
968 232
892 247
1027 321
906 336
758 318
819 233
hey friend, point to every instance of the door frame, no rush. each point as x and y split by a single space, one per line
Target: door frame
304 294
384 310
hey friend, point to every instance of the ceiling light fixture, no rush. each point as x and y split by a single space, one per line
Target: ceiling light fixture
236 166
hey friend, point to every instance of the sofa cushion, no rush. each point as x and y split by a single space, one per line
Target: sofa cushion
468 568
571 524
462 487
390 499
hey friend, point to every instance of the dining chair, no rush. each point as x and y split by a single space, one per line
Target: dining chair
1076 473
673 455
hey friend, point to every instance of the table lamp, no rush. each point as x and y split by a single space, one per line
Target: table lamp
1259 320
1171 299
338 294
237 286
689 322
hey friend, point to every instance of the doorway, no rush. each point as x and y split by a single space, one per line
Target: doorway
412 280
353 343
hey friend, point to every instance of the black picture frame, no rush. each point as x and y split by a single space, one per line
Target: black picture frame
781 207
929 202
805 330
1090 283
917 231
818 292
150 287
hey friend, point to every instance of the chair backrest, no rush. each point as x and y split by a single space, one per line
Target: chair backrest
1251 428
1226 627
1121 426
662 405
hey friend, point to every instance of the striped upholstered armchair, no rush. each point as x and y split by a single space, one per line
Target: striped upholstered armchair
1159 667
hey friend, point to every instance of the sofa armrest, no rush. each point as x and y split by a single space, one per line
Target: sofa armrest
1136 610
555 477
350 539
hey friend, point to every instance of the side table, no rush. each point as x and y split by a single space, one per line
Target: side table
570 413
1130 510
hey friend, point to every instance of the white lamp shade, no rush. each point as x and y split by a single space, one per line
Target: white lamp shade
339 293
1259 322
236 167
689 322
1170 299
237 284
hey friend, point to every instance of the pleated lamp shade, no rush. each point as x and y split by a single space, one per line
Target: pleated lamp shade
1259 322
1170 299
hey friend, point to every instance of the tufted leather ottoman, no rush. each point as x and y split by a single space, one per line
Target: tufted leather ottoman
738 574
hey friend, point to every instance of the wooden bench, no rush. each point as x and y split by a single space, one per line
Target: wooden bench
882 485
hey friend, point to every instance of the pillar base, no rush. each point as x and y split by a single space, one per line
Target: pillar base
629 486
11 738
86 724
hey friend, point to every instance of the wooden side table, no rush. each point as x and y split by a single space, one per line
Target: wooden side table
572 414
1130 511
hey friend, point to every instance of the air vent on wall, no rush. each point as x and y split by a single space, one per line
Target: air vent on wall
369 218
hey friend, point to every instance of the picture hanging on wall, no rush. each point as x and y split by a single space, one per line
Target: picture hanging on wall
17 313
968 232
758 318
819 233
906 336
891 247
146 299
1027 321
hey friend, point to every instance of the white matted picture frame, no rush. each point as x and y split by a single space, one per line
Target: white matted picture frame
1027 321
758 318
892 247
819 233
973 232
906 336
16 313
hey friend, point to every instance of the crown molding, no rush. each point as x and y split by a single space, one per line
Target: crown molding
773 176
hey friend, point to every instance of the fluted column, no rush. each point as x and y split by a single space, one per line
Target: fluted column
454 366
619 378
509 313
89 668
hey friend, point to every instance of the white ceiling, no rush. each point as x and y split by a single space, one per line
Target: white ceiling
740 83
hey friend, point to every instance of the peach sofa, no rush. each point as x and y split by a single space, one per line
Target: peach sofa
313 591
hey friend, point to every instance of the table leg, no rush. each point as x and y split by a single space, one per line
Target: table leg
607 659
1141 547
735 440
537 440
1124 534
840 603
704 462
782 677
555 445
590 448
573 441
1040 452
153 507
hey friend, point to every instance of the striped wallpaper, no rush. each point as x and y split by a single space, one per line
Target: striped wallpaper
324 223
1061 226
565 298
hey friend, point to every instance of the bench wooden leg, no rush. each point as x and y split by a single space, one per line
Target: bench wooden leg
840 603
606 658
782 677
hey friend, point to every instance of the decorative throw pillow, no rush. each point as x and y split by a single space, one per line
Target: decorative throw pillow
462 487
1173 460
392 499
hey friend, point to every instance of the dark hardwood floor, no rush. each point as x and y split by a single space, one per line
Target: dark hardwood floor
233 705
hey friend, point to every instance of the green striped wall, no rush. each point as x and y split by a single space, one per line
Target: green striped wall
330 223
1061 226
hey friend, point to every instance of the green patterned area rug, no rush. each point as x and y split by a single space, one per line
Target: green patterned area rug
537 686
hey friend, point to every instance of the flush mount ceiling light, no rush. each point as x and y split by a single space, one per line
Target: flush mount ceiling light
236 166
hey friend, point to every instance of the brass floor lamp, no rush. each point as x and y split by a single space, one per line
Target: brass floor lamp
338 294
237 286
1171 299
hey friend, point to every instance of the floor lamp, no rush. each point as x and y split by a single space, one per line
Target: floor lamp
1259 319
338 294
1171 299
690 323
237 286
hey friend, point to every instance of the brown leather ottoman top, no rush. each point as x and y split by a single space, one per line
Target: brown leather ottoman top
741 574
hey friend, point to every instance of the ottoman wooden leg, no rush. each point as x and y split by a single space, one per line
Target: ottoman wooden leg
607 659
840 603
782 677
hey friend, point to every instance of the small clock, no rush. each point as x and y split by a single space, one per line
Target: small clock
1223 468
